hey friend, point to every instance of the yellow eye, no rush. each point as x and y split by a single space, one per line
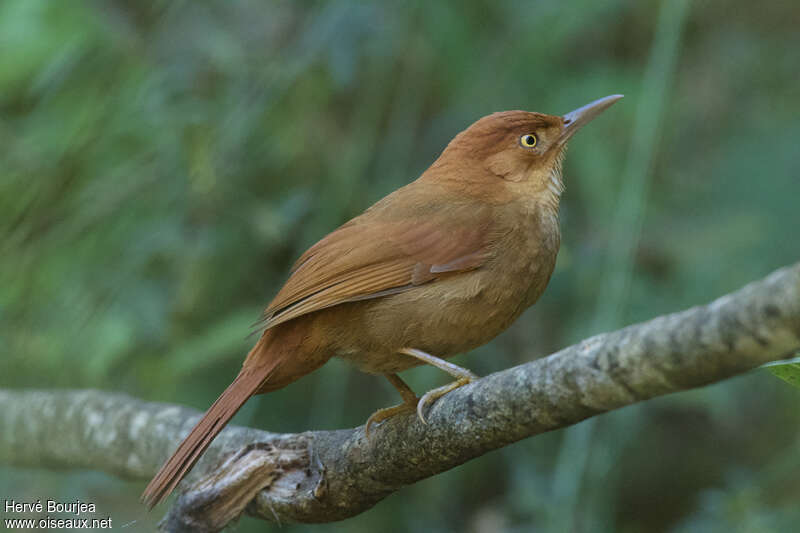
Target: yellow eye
528 140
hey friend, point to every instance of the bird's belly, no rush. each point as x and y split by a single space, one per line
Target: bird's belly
444 318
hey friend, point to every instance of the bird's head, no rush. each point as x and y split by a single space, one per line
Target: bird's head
515 152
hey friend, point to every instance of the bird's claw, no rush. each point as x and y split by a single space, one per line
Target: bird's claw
382 414
432 395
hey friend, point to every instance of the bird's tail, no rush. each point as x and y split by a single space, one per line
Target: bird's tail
243 387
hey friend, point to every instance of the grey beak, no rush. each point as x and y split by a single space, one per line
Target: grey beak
574 120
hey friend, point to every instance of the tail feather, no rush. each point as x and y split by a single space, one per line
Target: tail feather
176 467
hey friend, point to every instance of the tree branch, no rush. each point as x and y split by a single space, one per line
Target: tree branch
324 476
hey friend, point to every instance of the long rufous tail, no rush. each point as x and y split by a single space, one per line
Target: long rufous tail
243 387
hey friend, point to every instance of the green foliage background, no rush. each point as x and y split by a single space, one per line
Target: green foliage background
162 164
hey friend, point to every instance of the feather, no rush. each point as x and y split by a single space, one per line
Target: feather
379 254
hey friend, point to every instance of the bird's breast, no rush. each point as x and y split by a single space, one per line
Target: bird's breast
457 312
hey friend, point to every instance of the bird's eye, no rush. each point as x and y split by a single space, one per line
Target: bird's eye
528 140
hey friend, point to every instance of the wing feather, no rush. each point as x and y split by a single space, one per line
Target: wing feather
374 256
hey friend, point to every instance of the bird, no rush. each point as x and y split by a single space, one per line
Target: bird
438 267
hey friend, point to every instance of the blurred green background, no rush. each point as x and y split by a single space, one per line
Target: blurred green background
162 163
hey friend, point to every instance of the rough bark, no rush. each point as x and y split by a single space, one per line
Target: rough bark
323 476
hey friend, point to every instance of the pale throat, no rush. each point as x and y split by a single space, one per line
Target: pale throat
556 184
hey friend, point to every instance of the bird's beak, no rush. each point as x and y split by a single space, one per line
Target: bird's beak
574 120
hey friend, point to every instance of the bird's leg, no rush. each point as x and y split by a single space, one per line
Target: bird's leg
409 403
462 375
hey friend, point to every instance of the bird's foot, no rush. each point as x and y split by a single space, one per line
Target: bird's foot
432 395
462 375
388 412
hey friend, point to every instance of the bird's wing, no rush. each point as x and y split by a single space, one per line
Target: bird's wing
373 256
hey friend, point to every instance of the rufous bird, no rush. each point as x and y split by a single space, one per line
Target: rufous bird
436 268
